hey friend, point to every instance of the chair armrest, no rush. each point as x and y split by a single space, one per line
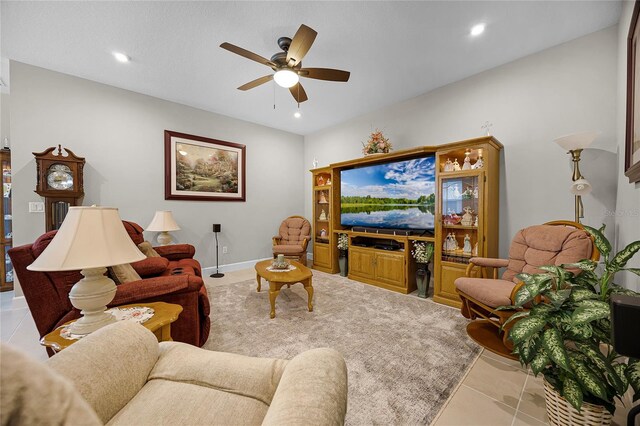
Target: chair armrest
490 262
276 240
176 251
109 366
317 381
305 241
148 288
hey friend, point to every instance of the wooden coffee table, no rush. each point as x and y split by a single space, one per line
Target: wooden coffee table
301 274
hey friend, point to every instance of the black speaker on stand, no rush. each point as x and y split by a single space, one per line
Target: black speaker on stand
216 229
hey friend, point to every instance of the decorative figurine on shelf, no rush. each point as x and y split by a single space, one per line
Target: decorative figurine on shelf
467 245
328 181
320 180
475 192
448 166
456 165
474 252
479 163
456 192
475 222
322 198
467 217
467 160
451 218
323 233
315 163
450 243
323 215
468 193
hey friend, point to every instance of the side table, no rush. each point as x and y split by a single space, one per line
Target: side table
160 324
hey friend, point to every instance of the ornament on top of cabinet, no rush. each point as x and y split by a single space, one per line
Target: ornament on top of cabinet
448 166
467 160
320 180
456 165
315 163
467 217
467 245
323 215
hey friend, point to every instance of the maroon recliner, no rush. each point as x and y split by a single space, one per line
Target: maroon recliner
47 293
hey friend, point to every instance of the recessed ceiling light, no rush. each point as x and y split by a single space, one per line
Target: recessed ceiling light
121 57
297 114
476 30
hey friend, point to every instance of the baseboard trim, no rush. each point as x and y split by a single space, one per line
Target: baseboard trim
18 302
232 266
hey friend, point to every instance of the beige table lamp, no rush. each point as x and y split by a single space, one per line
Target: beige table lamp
89 239
163 222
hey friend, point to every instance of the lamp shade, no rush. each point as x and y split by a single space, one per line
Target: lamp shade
162 222
89 237
577 140
580 187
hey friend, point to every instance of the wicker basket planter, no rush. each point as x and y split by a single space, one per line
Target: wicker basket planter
561 413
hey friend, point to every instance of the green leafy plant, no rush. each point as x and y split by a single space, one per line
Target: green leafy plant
422 252
565 332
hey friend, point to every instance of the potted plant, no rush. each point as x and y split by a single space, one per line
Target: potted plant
422 252
377 144
565 334
343 246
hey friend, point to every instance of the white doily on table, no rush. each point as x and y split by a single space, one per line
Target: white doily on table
139 314
288 269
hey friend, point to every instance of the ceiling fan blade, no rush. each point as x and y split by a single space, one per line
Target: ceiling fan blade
249 55
257 82
325 74
299 95
300 44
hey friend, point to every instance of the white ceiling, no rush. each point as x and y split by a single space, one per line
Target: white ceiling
394 50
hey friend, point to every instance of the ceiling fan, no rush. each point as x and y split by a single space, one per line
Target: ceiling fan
288 64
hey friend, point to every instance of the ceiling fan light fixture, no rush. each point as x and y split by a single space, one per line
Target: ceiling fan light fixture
286 78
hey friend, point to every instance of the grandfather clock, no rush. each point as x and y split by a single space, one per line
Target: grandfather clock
59 181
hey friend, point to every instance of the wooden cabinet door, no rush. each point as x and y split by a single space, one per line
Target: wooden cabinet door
450 272
321 255
390 268
361 262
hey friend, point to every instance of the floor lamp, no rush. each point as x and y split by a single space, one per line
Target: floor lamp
216 229
574 144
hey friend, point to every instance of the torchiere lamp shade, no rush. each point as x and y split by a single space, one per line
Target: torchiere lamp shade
577 140
163 221
90 237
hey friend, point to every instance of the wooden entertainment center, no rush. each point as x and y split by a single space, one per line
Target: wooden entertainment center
382 258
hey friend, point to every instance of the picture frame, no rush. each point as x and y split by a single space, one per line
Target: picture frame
632 142
198 168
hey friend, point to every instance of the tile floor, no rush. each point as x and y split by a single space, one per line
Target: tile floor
495 392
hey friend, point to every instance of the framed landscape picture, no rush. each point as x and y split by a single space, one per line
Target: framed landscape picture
632 145
199 168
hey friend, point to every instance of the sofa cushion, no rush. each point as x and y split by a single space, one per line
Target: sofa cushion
146 249
151 266
492 293
123 273
33 394
293 230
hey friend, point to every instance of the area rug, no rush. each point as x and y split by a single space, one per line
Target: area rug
404 355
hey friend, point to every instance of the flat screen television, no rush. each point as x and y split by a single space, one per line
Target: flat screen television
395 195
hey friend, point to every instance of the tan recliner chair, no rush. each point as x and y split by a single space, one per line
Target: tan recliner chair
121 375
481 291
292 239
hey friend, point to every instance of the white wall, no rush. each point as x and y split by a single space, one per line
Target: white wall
121 135
568 88
627 210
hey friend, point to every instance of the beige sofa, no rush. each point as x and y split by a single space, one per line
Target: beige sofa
121 375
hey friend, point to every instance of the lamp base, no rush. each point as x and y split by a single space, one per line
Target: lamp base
164 238
91 295
217 275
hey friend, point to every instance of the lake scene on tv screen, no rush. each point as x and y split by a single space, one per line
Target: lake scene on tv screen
397 195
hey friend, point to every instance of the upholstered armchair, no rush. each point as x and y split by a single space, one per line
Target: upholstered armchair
120 375
47 293
292 239
482 291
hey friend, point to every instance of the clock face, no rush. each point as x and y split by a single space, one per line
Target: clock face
59 177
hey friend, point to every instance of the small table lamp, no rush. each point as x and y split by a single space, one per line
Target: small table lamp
574 144
163 222
89 239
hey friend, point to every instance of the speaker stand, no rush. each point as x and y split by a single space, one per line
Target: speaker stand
218 274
